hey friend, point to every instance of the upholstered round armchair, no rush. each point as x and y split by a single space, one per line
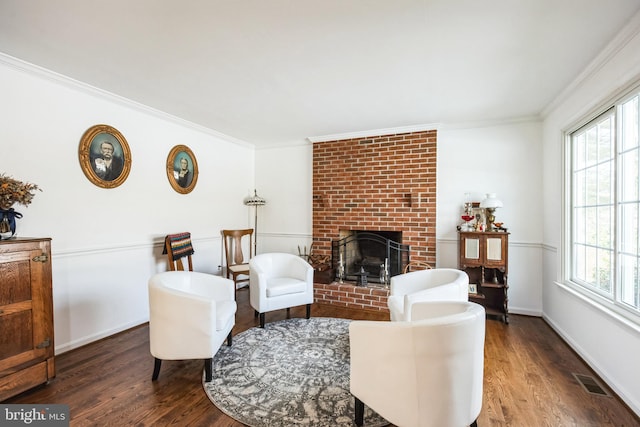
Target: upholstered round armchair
190 316
427 372
436 284
279 280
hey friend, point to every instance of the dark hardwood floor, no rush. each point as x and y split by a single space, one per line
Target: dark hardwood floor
528 380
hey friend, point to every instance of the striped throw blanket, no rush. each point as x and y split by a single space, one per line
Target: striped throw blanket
180 245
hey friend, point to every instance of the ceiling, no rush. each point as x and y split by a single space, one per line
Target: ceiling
275 72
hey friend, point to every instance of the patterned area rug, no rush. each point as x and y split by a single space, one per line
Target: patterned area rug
294 372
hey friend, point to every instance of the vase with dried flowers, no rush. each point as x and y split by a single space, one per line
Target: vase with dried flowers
13 191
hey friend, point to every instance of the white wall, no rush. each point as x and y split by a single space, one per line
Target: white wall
284 179
504 159
609 344
107 242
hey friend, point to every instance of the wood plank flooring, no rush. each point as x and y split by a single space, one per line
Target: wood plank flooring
528 380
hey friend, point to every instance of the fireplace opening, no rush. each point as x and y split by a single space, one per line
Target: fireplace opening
365 255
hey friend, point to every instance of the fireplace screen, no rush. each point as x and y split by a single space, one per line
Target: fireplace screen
365 255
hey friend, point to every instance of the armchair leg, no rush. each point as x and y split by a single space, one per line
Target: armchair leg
229 339
156 369
255 313
359 418
207 370
262 320
308 311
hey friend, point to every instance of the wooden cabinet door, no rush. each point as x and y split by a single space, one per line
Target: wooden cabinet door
471 250
495 250
26 312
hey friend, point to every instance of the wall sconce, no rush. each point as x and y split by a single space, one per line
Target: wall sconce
490 204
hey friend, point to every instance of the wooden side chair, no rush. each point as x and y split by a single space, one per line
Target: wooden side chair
416 265
176 247
237 263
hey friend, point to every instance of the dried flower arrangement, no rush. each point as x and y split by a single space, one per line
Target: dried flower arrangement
14 191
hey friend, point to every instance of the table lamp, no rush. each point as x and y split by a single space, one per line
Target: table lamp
490 204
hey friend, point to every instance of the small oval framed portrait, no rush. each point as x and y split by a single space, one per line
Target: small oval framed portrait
182 169
104 156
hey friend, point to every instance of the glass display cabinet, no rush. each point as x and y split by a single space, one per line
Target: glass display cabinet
484 257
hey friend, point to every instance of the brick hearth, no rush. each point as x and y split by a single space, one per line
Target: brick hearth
349 295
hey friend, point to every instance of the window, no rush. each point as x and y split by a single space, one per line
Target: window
605 204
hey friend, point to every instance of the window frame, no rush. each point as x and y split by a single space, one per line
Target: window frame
614 302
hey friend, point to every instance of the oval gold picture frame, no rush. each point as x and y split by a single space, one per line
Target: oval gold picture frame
104 156
182 169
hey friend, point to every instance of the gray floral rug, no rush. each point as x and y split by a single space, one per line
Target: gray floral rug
294 372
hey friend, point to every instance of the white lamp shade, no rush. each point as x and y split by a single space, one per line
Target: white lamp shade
491 202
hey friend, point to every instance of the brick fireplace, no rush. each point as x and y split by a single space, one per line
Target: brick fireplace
376 183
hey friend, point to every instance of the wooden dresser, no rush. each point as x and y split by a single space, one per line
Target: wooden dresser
26 315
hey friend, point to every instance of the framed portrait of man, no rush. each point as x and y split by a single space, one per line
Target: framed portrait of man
182 169
104 156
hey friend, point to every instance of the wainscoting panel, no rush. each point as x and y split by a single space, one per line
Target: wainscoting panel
100 291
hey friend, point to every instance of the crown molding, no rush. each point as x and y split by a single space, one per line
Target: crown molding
374 132
619 42
88 89
490 123
424 127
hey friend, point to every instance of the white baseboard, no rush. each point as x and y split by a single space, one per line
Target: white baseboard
628 400
95 337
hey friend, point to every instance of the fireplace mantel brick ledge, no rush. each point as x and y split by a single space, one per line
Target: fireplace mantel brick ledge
352 296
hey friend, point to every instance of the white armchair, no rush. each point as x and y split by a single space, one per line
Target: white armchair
427 372
279 280
190 316
437 284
